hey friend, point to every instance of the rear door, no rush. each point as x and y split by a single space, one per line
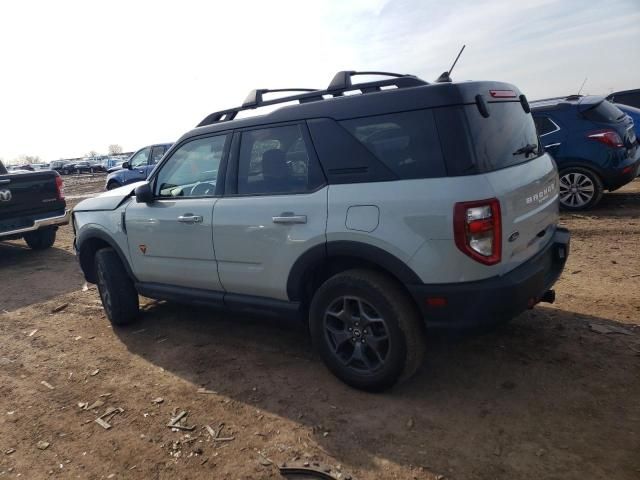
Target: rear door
507 151
171 238
274 209
28 194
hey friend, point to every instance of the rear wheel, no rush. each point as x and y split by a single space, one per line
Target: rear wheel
41 239
117 291
580 189
366 330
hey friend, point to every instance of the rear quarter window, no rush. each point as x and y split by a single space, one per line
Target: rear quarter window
407 142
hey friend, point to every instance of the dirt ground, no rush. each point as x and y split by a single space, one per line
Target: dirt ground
544 397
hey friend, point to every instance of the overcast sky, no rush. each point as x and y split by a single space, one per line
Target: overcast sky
78 76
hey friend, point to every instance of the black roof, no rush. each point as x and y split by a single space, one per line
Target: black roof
344 99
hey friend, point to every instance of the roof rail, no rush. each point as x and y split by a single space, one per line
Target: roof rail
340 83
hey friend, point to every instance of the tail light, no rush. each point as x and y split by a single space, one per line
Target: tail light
60 187
478 230
608 137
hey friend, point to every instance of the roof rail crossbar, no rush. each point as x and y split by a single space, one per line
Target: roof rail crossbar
255 98
342 80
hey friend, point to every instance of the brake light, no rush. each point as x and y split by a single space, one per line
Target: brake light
60 187
608 137
477 230
502 93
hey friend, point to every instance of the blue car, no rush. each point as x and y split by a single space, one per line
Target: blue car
593 143
138 167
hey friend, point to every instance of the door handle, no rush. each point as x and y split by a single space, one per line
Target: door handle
189 218
289 217
140 171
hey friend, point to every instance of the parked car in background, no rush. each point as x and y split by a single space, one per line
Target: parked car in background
372 211
26 166
32 207
138 167
634 113
626 97
593 143
117 166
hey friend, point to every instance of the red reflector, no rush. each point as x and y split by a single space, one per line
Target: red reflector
502 93
627 169
477 226
436 301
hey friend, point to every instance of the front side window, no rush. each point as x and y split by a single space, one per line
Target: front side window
140 159
407 142
192 170
276 160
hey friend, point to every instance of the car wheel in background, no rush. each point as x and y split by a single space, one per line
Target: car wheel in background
367 329
117 291
40 239
580 189
113 184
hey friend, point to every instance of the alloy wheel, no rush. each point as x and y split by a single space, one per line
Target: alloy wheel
576 189
357 334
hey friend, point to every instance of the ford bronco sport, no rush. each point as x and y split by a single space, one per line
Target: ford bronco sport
375 211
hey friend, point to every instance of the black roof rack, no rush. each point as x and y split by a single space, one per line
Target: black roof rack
340 83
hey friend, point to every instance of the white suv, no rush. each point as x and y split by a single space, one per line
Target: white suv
375 217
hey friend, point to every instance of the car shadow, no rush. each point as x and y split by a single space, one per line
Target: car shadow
46 273
546 377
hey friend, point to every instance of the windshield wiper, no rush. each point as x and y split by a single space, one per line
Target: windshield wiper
528 149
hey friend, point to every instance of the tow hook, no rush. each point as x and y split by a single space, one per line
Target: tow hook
549 296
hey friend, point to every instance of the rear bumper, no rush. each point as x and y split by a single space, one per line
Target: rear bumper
496 299
615 179
38 223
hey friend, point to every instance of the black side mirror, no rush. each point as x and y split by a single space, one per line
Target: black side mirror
144 193
126 165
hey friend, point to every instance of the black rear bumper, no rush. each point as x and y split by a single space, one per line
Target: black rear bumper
496 299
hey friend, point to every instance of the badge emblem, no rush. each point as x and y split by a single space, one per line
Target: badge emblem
5 195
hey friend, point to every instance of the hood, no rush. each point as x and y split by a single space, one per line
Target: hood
109 200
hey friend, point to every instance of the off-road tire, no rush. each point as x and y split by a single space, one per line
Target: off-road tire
40 239
405 329
113 184
117 291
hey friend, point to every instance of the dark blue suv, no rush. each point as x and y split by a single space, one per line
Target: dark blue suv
593 143
138 167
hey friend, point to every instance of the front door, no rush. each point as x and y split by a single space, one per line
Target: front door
171 238
276 210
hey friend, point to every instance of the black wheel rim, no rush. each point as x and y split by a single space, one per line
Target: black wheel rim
104 291
357 335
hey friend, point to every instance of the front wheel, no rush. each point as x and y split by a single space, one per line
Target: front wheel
367 330
113 184
117 291
41 239
580 189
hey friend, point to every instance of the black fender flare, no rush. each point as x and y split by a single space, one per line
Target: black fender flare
87 268
315 256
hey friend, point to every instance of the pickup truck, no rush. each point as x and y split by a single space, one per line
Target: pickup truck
32 207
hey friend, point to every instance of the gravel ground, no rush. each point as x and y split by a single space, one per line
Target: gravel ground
552 395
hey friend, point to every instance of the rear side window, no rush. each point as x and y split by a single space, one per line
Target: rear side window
276 160
603 112
407 143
